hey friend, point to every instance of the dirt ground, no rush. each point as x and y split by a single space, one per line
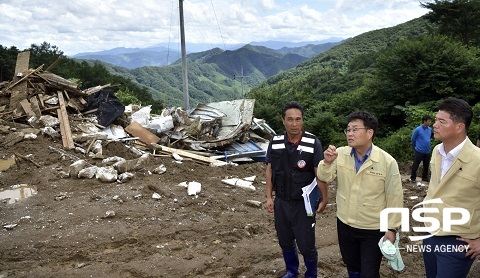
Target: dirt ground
87 228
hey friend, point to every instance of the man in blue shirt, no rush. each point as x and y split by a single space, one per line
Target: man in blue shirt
421 143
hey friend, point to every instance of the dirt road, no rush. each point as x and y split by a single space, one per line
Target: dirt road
87 228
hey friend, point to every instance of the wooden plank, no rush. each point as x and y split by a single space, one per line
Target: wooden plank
27 108
91 144
64 123
212 161
25 77
40 97
62 128
239 155
75 104
90 111
35 106
27 159
20 92
22 64
54 64
95 89
66 94
142 133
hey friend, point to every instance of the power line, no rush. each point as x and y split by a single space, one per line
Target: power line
170 31
221 35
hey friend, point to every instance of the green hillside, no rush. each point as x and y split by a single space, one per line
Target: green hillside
310 50
398 73
211 74
338 56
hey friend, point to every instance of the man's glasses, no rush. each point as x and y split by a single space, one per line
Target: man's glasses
354 130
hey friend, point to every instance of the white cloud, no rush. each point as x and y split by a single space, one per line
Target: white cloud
267 4
94 25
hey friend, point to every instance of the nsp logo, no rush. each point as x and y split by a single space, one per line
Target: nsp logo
417 215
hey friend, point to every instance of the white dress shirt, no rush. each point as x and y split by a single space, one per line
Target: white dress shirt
447 158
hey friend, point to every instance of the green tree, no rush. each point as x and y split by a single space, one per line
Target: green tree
458 18
127 97
420 70
44 54
8 58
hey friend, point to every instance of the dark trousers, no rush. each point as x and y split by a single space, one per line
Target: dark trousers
295 228
417 158
359 249
444 257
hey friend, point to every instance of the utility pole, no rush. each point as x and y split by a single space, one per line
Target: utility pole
184 57
241 79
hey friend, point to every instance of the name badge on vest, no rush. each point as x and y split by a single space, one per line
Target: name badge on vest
301 164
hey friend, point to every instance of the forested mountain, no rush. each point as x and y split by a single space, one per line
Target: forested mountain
399 74
161 55
213 75
310 50
338 57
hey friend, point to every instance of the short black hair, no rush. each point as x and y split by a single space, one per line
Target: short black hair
426 118
290 105
459 111
369 120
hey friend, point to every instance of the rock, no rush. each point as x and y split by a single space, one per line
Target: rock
125 177
106 174
10 226
253 203
75 168
160 169
88 172
194 188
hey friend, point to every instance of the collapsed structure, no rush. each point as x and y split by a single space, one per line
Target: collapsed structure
38 101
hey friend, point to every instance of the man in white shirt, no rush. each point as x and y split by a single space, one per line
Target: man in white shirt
455 180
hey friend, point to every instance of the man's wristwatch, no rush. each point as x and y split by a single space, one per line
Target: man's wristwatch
393 230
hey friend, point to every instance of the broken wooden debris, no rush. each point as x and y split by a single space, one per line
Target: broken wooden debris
142 133
201 134
211 161
27 159
64 153
64 123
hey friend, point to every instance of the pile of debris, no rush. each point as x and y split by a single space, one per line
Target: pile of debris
39 101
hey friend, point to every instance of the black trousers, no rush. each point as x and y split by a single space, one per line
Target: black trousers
417 158
359 249
295 228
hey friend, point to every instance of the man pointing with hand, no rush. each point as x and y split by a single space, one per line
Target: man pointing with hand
368 181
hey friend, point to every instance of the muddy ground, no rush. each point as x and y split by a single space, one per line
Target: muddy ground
68 229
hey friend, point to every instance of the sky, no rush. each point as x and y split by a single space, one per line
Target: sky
79 26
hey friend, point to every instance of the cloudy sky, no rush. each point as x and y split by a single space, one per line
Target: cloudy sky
92 25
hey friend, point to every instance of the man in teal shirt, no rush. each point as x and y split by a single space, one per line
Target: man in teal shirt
421 143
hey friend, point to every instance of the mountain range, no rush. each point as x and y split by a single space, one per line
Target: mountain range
213 75
219 75
165 54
